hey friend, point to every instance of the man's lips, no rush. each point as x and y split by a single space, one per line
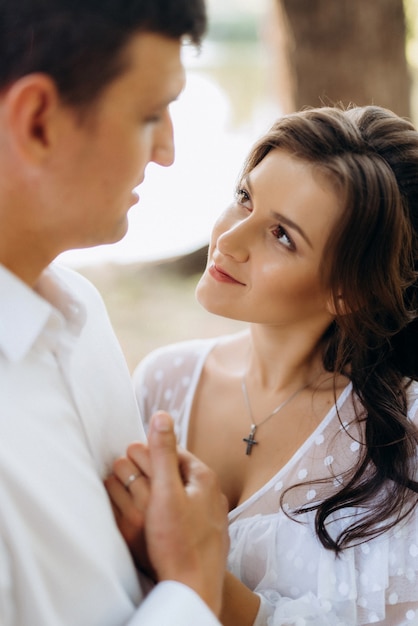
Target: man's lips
221 276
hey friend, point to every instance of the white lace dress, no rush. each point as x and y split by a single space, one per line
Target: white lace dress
300 582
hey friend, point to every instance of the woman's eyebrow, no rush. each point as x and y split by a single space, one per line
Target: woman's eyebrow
282 218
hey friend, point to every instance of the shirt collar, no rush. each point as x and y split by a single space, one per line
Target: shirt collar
25 313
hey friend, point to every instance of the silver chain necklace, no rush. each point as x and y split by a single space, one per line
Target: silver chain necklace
250 440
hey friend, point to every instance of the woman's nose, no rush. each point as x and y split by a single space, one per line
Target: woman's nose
233 242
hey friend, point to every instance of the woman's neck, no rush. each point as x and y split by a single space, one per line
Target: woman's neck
280 359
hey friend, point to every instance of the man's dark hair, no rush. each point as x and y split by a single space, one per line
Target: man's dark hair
79 42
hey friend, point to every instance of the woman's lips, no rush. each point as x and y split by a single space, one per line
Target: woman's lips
221 276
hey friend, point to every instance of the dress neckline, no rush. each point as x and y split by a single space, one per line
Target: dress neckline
296 456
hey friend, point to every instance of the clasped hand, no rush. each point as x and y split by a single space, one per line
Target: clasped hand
171 512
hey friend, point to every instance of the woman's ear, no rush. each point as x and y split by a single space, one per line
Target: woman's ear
31 104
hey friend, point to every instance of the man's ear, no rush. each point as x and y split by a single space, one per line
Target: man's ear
31 106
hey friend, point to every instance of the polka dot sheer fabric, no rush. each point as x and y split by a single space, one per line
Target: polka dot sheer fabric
278 555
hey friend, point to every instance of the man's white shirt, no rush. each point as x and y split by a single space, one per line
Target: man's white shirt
67 411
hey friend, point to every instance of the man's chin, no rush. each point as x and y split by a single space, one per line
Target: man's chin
115 237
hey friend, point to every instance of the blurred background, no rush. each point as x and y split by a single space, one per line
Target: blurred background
260 59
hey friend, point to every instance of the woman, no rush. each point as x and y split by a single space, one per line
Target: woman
310 416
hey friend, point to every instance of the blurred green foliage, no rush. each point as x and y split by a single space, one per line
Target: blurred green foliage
233 28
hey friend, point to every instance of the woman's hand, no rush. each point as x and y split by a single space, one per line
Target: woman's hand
129 504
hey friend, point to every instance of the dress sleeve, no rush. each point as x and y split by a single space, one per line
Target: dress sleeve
166 380
147 386
159 382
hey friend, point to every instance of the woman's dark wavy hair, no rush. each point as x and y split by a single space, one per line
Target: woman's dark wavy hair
370 157
79 42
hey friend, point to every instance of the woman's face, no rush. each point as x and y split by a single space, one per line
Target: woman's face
266 248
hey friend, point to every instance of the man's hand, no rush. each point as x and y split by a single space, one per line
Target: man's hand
177 501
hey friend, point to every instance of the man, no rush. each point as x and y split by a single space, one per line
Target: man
85 89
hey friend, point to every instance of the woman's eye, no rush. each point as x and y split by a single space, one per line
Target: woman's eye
242 197
283 238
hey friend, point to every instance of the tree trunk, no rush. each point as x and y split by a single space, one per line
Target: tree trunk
341 51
